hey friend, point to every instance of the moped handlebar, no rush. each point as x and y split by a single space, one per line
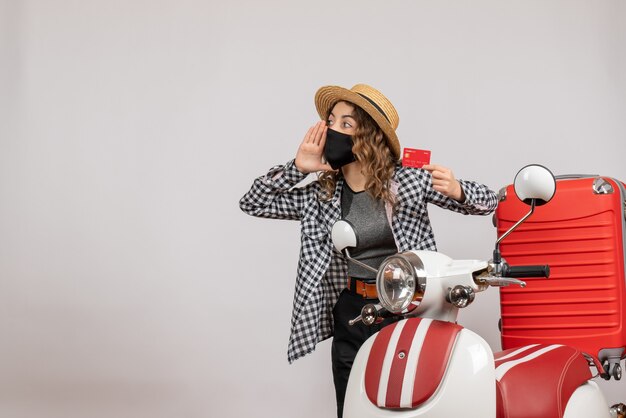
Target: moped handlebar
521 272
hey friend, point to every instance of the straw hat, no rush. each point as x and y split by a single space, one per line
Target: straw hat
368 99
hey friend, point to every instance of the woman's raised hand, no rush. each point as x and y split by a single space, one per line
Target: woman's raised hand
444 182
309 156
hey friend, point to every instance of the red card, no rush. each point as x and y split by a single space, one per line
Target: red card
415 157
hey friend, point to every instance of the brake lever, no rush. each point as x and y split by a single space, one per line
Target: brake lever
503 281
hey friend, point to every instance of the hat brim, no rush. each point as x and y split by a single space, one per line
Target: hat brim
326 97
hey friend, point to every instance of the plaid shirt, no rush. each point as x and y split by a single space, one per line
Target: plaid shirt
322 271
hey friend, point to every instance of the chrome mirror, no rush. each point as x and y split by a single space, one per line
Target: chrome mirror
535 182
343 235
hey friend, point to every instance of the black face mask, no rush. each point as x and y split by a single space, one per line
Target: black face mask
338 149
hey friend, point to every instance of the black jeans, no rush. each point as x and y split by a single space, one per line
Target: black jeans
348 339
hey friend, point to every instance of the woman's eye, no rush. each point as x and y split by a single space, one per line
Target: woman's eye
329 122
347 125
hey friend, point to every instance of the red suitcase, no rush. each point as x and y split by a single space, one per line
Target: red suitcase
580 234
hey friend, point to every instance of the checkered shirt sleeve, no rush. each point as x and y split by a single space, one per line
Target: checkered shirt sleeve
274 196
413 228
418 186
479 199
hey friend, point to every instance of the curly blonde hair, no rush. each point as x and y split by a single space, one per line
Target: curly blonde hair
371 150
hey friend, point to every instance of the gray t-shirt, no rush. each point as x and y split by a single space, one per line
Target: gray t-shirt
374 237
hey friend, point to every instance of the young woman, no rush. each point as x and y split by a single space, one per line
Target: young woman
356 152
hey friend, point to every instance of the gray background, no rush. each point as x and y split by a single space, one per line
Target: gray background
130 283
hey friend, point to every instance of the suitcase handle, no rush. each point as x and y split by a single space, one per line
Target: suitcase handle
575 176
521 272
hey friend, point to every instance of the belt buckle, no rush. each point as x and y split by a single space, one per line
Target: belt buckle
364 289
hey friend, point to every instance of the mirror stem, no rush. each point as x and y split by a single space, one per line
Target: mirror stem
496 252
358 263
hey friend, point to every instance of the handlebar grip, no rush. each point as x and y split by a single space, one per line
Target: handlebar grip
521 272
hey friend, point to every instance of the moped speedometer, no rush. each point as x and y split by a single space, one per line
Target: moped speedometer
400 280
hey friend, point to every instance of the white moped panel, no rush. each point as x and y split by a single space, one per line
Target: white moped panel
468 388
437 264
443 274
587 402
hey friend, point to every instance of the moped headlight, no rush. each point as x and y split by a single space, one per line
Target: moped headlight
401 279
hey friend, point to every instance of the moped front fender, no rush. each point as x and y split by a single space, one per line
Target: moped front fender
466 388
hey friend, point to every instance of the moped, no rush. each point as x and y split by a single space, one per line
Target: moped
426 365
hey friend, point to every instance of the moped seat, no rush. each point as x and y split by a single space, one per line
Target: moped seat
537 381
